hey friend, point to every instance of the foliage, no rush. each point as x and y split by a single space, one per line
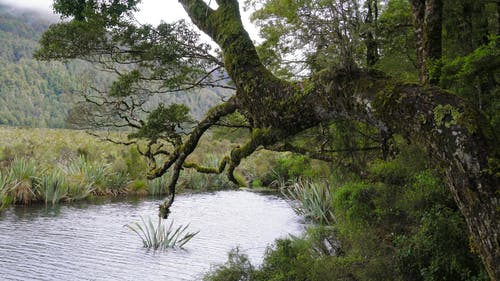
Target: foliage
32 93
343 89
296 34
397 39
161 236
398 223
237 268
314 200
22 174
52 187
164 122
438 249
42 94
158 186
475 77
290 167
4 199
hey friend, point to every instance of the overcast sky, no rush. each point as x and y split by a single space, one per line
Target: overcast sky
151 11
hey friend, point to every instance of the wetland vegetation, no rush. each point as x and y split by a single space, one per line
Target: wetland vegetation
378 121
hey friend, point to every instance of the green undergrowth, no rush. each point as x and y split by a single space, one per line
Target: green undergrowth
396 222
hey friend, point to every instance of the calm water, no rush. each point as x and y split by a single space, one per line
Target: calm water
90 242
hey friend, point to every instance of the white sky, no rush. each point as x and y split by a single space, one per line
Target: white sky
151 11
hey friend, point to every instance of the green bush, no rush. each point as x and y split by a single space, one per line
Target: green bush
138 186
237 268
400 223
438 249
290 166
354 202
135 163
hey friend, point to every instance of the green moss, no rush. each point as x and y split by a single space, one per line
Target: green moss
446 115
385 98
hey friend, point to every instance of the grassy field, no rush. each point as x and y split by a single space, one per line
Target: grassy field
56 165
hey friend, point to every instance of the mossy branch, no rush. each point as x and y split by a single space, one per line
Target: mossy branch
208 170
177 159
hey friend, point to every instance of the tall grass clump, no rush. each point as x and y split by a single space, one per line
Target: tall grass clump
4 180
52 187
314 200
94 172
22 178
80 183
158 186
161 236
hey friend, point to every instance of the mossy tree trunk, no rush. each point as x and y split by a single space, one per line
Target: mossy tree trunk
427 22
456 136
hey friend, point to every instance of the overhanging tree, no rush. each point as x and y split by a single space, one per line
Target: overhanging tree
149 61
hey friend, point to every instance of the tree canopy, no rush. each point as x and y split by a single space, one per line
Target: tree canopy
321 62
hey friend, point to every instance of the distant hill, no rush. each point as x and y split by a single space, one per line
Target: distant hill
40 94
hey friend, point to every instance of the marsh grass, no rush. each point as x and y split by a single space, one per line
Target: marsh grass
57 165
52 187
22 176
80 185
314 198
161 235
194 180
4 199
158 186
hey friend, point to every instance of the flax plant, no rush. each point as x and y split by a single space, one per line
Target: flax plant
158 186
4 180
52 187
22 175
314 200
80 183
161 236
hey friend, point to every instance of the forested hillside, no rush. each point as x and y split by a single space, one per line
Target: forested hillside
40 94
32 93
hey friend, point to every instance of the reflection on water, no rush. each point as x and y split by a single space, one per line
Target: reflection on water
89 242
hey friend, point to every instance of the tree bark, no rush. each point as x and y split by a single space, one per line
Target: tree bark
457 137
427 22
370 40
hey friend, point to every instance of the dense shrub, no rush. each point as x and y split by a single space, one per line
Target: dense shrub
398 223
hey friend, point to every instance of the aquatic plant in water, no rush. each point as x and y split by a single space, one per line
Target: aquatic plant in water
161 236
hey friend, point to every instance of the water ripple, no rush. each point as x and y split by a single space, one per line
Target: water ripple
90 242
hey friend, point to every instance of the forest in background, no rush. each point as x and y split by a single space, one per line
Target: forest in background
392 218
40 94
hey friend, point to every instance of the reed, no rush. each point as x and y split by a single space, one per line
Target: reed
161 236
314 200
158 186
4 180
80 183
52 187
22 178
